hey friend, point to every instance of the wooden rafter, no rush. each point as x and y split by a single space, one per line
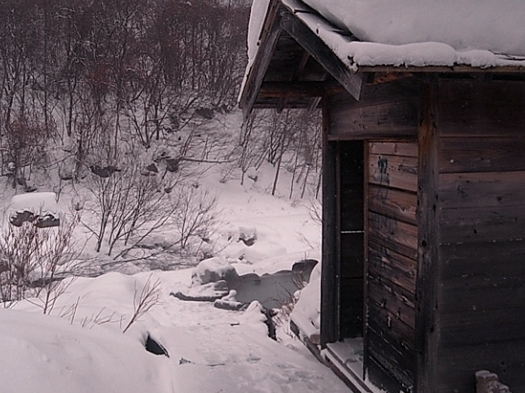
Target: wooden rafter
352 82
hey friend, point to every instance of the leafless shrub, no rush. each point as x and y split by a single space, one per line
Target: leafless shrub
194 214
35 261
127 202
314 209
144 301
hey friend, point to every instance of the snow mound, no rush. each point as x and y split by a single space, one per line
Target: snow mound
307 311
212 270
46 354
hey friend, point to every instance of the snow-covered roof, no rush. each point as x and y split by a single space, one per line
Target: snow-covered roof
411 33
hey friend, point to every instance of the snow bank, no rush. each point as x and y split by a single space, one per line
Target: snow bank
35 202
210 350
46 354
307 311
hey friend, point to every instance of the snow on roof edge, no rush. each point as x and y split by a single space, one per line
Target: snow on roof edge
355 54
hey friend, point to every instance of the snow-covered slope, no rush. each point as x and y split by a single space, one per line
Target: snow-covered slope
210 350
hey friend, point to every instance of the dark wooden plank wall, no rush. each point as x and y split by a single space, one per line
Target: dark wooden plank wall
385 110
392 262
482 231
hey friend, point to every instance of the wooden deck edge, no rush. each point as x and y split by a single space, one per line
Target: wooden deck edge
314 348
353 381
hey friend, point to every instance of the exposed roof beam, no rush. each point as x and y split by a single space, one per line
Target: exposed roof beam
294 89
352 82
295 76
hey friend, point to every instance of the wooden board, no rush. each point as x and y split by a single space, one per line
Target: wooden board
393 203
394 299
473 324
393 171
482 224
383 379
330 246
475 108
392 234
393 331
386 110
477 154
399 269
492 259
427 330
482 189
393 119
458 364
394 365
393 148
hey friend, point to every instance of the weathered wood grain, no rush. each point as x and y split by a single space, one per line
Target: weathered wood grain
376 121
405 148
393 203
478 154
459 363
483 189
497 260
427 328
397 301
482 224
392 363
399 269
478 325
383 379
330 246
393 171
393 330
476 108
392 234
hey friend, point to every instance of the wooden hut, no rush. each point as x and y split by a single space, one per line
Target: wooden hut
423 280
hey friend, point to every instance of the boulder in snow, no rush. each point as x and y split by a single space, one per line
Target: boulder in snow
39 208
229 302
212 270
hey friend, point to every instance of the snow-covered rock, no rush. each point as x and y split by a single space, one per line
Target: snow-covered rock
204 293
212 270
307 311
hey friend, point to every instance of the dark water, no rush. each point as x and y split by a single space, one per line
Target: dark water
273 290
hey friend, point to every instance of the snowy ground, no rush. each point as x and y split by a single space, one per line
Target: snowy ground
81 346
210 350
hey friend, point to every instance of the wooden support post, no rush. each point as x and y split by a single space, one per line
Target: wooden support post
428 240
330 244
